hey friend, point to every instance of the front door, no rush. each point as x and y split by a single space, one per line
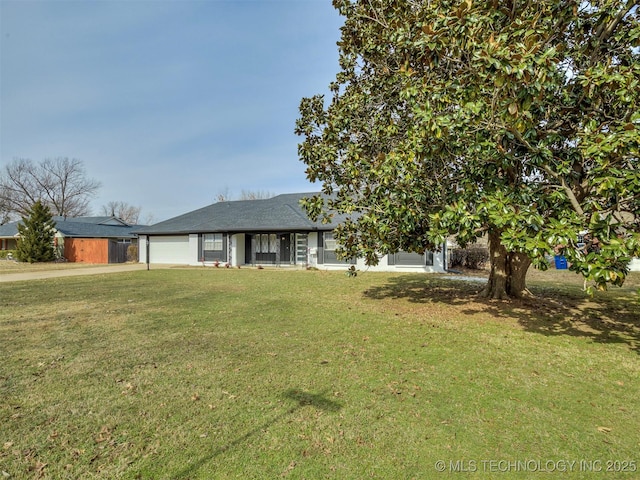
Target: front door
285 248
248 250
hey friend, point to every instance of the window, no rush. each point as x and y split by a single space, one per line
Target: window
213 247
302 242
330 243
411 259
212 242
273 245
266 243
329 246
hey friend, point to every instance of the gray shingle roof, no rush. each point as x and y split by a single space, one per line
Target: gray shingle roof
104 220
82 227
280 213
91 230
9 230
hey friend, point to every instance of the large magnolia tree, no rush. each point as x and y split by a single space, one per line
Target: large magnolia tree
519 120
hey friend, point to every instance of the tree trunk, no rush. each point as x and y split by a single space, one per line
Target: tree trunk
497 284
507 278
518 266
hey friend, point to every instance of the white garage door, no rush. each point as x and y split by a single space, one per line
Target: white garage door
173 249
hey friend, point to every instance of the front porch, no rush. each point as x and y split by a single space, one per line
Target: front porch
283 248
269 248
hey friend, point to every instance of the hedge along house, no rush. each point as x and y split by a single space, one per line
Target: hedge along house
275 231
83 239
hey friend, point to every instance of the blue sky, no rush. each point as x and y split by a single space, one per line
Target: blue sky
168 103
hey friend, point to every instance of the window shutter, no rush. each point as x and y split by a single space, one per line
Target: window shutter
320 247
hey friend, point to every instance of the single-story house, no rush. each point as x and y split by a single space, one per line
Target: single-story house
82 239
274 231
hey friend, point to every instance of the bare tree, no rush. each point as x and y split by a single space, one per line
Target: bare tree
60 183
149 219
255 195
18 188
5 214
225 195
122 210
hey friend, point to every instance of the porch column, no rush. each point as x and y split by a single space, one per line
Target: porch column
253 249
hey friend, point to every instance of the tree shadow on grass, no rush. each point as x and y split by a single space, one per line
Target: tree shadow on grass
422 289
318 401
300 399
610 317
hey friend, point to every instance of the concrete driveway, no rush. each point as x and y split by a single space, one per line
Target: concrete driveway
97 270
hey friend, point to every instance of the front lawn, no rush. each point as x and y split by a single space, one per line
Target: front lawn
215 373
13 266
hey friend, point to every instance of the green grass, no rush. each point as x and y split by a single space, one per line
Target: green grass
211 373
13 266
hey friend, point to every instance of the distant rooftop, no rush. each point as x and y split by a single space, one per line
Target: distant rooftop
81 227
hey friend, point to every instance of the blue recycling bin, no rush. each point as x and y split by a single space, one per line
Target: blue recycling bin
561 262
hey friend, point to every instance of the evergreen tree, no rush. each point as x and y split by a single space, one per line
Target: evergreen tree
35 243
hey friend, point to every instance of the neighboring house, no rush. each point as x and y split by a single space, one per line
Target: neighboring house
83 239
8 236
274 231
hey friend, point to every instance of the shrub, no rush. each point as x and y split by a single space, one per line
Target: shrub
132 253
474 258
7 254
